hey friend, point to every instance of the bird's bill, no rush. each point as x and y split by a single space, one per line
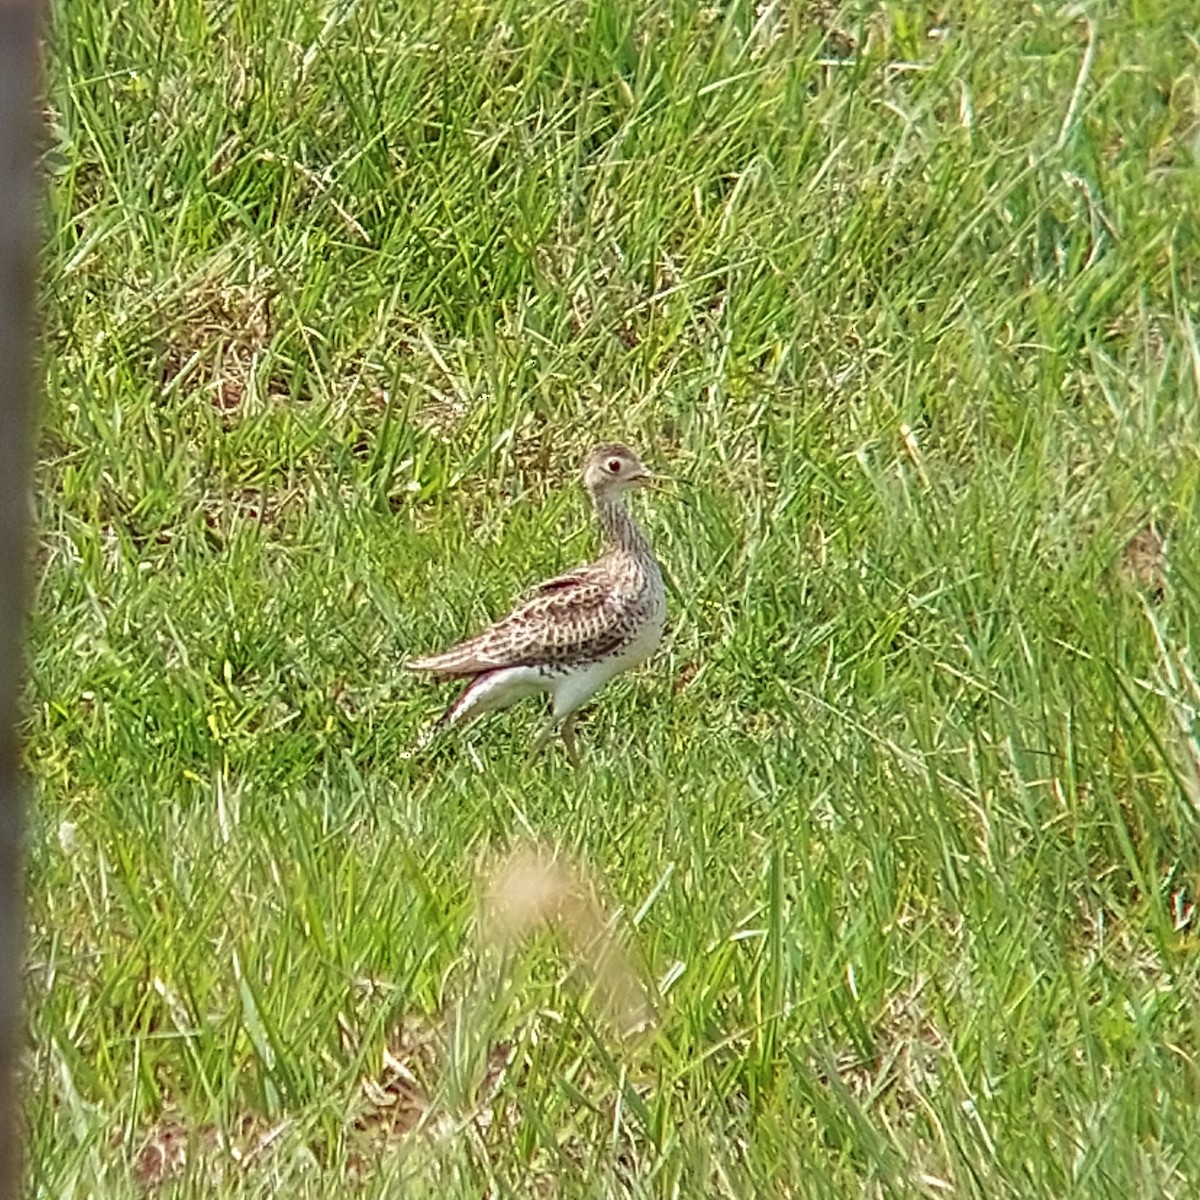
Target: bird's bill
655 482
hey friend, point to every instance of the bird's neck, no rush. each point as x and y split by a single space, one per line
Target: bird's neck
620 530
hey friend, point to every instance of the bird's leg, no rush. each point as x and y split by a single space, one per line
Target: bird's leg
542 738
567 729
568 737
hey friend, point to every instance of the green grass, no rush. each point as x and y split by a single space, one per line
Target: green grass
900 828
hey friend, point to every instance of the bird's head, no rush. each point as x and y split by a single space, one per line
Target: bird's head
614 469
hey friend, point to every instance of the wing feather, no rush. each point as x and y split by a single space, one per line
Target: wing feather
572 616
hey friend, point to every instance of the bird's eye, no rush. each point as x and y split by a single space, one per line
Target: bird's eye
614 466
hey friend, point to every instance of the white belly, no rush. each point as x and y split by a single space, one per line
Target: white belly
568 689
573 690
497 689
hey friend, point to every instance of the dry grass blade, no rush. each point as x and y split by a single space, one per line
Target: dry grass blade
535 888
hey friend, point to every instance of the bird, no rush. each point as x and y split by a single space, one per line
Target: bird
575 632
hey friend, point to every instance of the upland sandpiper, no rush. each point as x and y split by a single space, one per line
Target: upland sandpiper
577 630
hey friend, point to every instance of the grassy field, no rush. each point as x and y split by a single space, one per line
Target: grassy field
898 831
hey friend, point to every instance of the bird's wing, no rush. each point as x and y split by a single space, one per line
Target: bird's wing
571 579
576 616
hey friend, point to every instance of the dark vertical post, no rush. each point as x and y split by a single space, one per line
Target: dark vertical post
19 59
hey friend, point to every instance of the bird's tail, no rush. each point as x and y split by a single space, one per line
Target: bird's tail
456 663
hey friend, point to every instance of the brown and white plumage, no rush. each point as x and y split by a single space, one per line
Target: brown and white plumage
576 631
